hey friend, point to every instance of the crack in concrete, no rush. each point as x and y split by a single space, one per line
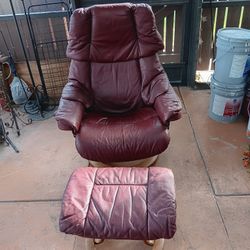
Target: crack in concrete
12 173
217 139
206 169
202 157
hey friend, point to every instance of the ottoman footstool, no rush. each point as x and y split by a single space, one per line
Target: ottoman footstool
120 203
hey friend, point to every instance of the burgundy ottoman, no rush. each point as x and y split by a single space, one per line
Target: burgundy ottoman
120 203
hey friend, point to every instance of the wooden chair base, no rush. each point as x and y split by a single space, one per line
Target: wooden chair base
90 244
98 241
158 244
138 163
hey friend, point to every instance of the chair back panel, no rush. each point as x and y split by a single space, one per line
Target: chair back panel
116 86
112 38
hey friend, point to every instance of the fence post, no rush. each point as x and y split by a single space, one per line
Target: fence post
195 17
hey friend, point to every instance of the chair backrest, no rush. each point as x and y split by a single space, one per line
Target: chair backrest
106 43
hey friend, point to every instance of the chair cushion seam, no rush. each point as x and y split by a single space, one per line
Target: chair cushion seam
90 198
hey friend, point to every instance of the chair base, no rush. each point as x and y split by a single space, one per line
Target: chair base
90 244
138 163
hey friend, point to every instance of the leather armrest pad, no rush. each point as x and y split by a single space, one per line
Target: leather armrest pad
168 106
69 115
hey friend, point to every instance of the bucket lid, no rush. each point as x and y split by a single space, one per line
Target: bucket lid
234 34
237 87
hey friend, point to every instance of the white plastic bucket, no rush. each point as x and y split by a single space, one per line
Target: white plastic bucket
225 101
233 48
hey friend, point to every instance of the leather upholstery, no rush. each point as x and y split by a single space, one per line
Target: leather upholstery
115 71
113 32
120 203
129 137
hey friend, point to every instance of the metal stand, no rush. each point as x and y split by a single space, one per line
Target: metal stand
11 62
3 133
15 115
38 101
5 138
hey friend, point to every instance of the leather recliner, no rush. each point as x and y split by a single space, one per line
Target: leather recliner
118 101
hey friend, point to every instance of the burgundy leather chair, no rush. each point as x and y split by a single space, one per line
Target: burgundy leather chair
118 102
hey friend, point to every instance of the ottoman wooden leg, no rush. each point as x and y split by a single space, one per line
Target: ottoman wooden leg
149 242
98 241
158 244
89 244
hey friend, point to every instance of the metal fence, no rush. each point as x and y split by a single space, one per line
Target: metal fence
49 25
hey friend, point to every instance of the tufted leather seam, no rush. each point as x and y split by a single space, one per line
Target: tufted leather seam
90 62
90 198
133 9
141 120
91 33
139 56
120 117
115 61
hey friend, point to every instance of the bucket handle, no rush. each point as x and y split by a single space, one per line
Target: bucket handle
216 59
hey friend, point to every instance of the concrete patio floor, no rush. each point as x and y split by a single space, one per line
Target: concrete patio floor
212 187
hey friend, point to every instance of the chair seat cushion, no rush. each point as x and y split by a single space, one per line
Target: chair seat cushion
127 137
120 203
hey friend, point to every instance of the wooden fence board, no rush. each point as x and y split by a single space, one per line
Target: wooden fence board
59 28
233 16
205 40
178 32
3 49
220 18
11 27
246 18
169 32
41 30
172 52
26 39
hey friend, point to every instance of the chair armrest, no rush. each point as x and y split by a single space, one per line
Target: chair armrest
69 115
168 106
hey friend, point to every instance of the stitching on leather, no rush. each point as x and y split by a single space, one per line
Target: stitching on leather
121 122
132 13
116 61
90 200
91 33
90 61
139 49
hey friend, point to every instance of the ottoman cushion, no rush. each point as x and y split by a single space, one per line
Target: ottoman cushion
120 203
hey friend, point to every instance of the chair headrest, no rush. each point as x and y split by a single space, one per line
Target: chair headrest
113 32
